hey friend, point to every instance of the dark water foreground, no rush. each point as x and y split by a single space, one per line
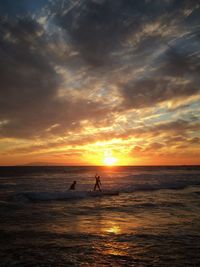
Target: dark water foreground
155 221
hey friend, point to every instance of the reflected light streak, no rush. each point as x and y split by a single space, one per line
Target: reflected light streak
113 230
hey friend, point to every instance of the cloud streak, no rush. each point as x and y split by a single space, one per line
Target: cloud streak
73 68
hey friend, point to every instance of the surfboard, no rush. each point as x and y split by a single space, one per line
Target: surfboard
47 196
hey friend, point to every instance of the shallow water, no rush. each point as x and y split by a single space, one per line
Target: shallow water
154 221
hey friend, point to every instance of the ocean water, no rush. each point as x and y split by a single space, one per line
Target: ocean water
154 221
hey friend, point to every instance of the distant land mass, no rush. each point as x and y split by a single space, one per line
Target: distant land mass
44 164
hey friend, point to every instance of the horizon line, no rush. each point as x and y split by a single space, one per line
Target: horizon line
109 166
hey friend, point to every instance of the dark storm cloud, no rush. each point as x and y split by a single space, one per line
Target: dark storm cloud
98 28
102 34
175 73
181 59
28 80
150 91
29 83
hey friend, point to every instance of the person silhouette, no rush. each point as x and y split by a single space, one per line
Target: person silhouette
72 186
97 182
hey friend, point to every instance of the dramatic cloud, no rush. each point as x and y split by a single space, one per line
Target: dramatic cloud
75 73
29 99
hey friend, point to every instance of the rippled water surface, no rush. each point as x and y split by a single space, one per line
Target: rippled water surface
154 221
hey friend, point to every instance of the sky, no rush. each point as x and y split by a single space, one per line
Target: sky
94 82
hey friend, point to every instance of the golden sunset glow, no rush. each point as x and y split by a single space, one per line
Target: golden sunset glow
110 161
100 98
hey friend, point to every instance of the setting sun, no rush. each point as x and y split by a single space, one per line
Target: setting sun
110 161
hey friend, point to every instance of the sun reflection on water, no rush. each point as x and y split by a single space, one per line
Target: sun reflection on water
114 229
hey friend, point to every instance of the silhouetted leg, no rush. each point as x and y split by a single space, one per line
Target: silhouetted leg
95 187
99 187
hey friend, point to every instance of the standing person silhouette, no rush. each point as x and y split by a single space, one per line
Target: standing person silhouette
97 182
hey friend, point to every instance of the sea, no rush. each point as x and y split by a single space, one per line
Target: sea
153 221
